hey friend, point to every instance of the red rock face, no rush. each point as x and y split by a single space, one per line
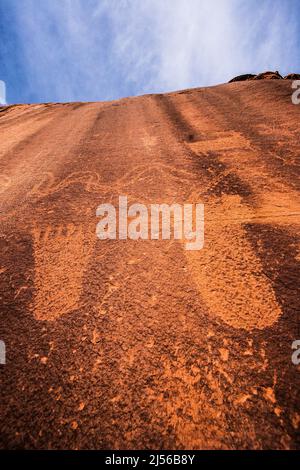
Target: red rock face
142 344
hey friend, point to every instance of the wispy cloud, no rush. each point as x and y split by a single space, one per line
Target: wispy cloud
187 43
92 49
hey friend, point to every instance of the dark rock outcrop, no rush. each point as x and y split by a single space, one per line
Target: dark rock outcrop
268 76
292 76
242 78
265 76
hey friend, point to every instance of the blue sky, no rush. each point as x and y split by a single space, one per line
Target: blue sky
73 50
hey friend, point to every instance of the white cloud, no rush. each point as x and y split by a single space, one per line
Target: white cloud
200 42
92 49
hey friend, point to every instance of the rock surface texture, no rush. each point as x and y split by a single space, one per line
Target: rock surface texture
123 344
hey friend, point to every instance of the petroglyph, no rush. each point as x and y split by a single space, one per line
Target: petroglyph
228 261
61 254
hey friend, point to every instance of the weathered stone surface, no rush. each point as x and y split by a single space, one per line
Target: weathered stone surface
142 344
